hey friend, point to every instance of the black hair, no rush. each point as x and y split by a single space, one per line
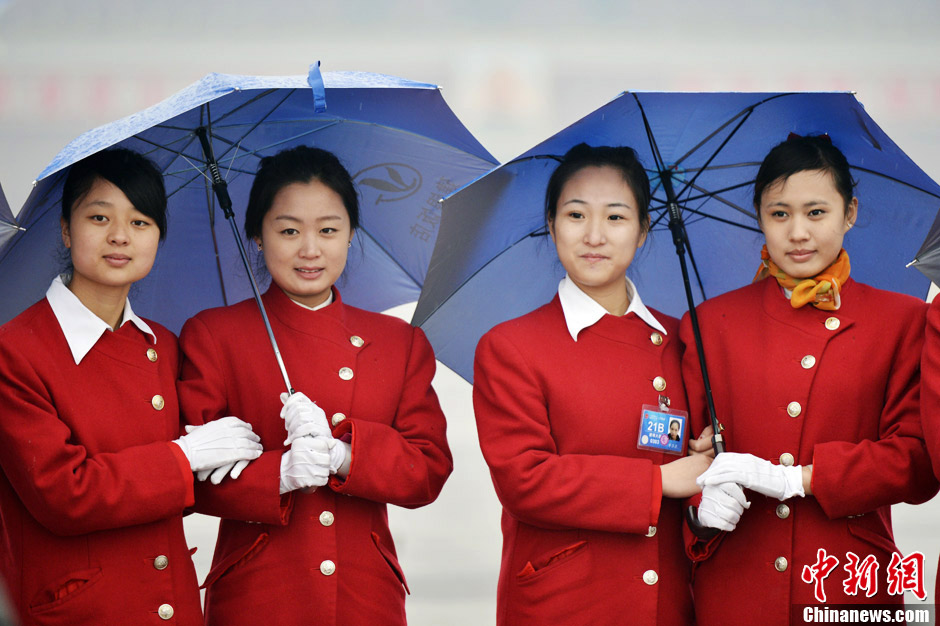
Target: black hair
621 158
799 154
134 174
302 164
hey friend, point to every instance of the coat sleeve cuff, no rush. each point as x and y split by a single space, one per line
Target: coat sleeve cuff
188 477
344 432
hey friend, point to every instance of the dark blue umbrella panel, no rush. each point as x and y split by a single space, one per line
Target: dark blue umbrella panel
493 260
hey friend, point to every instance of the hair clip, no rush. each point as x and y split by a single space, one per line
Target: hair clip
824 136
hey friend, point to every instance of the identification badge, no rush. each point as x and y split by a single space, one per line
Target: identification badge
662 429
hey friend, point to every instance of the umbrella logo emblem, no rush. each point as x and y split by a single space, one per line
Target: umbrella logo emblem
393 181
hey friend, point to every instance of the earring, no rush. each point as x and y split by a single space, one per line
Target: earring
259 247
349 244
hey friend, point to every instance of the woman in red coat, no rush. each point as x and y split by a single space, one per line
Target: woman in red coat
93 485
818 390
930 394
304 537
591 521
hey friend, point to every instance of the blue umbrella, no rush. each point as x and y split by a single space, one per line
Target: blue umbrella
493 260
401 142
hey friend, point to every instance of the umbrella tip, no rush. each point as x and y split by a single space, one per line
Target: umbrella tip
35 182
911 263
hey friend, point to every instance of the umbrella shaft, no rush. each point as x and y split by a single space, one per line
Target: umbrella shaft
264 314
679 237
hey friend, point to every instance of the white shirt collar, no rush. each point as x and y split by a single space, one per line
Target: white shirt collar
582 311
81 327
327 302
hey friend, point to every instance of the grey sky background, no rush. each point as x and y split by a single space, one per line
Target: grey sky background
515 73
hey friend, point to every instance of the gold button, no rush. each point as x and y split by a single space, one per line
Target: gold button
781 564
326 518
356 340
161 562
152 355
337 418
165 611
808 361
659 383
832 323
783 511
794 409
345 373
327 567
786 459
650 577
651 532
657 339
157 402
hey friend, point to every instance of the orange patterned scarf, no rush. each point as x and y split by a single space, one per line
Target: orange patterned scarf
821 291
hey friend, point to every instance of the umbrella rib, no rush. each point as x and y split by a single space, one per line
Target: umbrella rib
279 142
363 229
654 148
714 194
897 180
706 216
259 122
746 111
727 166
254 99
721 146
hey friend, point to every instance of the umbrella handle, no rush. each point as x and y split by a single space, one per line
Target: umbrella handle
701 531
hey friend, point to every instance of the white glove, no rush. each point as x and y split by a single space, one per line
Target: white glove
215 476
220 442
775 481
303 418
338 452
722 506
306 464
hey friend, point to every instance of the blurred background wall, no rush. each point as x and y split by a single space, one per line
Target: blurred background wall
515 72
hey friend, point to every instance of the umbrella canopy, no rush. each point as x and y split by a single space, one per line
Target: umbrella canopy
401 142
493 260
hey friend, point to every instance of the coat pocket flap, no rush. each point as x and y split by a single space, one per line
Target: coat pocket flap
235 557
391 560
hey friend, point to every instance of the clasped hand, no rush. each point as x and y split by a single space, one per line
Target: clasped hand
723 499
220 447
314 453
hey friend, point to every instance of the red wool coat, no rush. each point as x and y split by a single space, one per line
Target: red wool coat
835 389
584 538
92 491
326 557
930 394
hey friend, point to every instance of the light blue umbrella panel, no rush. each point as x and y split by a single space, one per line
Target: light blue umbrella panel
401 142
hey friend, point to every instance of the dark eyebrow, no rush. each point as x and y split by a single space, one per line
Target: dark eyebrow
807 204
291 218
612 204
